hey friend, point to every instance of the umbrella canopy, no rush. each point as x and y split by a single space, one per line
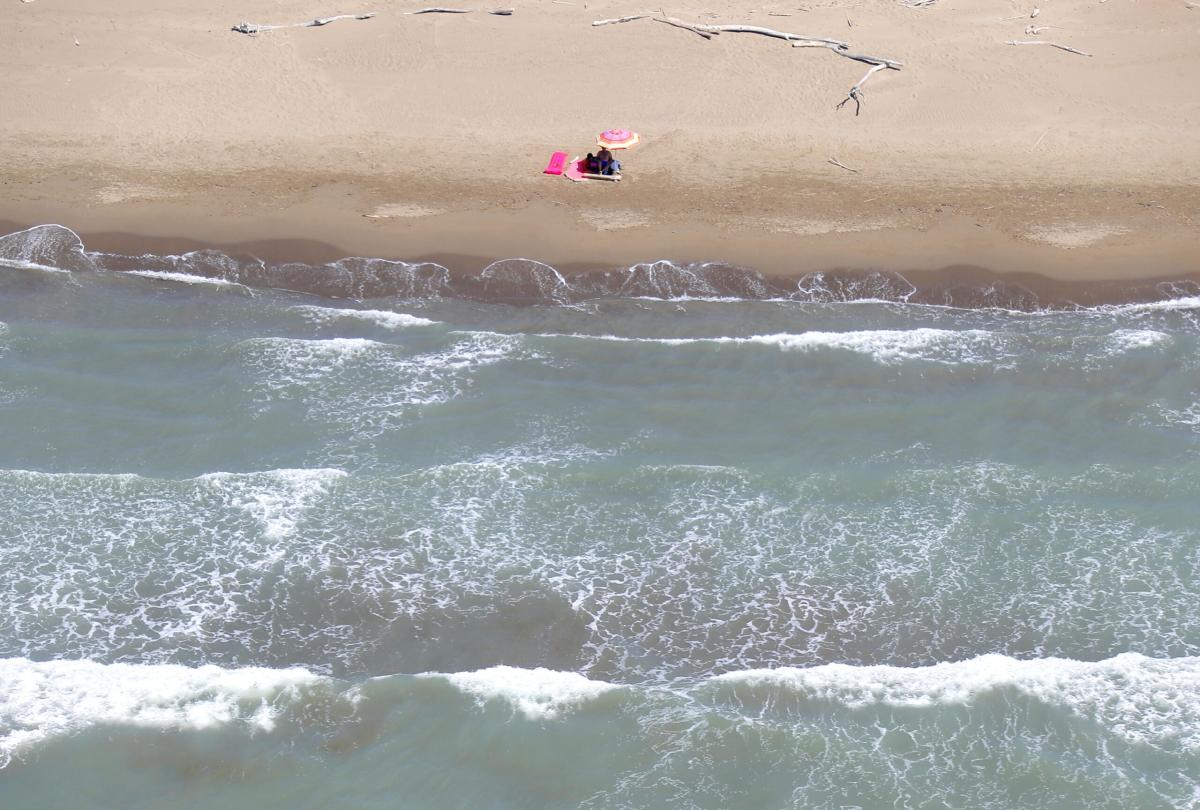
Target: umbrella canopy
617 138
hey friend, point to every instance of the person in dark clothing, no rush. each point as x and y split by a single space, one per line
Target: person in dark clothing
606 160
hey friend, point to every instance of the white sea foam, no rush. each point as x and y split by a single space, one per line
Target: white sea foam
47 699
1124 340
48 248
1143 700
275 499
184 278
887 346
539 694
367 386
312 355
379 317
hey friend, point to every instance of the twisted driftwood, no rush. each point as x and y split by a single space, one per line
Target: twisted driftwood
252 29
708 31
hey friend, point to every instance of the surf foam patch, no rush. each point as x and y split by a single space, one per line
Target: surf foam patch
40 701
379 317
538 694
1142 700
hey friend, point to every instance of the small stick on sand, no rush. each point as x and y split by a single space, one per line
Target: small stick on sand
630 18
837 162
503 12
439 10
1066 48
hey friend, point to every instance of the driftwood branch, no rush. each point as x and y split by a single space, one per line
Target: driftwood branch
771 32
697 28
1066 48
855 93
251 28
439 10
708 31
837 162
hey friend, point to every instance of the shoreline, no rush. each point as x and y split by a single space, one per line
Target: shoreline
522 280
1061 232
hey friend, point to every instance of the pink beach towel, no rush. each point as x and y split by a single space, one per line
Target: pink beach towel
576 169
555 166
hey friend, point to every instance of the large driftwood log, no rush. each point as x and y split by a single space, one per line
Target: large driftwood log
1066 48
251 28
708 31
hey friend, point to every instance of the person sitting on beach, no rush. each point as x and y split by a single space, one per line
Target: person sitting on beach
606 160
590 164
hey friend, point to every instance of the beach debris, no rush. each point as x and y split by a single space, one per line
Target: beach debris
630 18
917 3
855 93
1035 30
252 28
1036 11
698 28
76 41
500 12
837 162
1066 48
798 41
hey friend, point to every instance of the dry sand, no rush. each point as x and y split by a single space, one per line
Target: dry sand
418 135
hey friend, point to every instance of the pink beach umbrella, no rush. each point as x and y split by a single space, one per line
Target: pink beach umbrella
617 138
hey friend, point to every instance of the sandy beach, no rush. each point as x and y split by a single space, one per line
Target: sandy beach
415 136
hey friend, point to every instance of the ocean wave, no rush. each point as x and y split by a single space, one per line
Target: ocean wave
538 694
183 278
44 700
529 281
366 387
49 248
1126 340
276 499
378 317
1142 700
886 346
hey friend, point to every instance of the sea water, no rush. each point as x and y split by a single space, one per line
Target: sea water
673 538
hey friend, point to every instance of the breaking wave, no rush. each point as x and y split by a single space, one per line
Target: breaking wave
528 281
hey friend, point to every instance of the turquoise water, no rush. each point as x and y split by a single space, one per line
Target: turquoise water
667 538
